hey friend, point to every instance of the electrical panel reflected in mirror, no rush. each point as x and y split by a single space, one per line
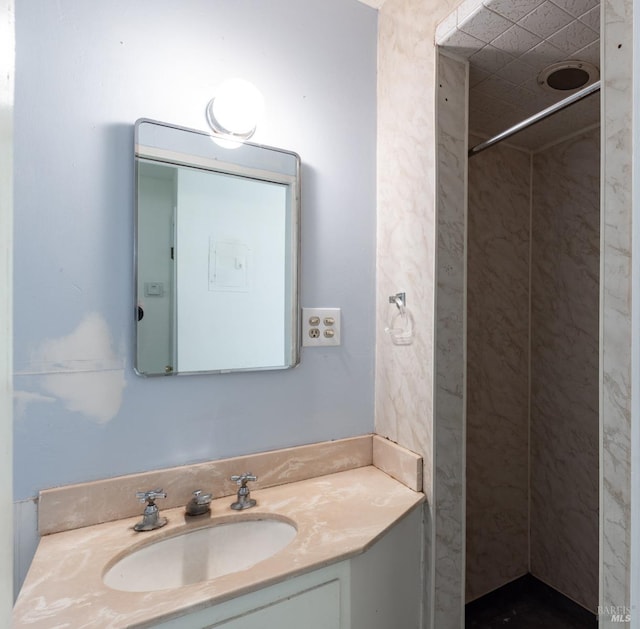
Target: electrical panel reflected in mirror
217 253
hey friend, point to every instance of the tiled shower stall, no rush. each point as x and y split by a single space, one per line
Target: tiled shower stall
531 266
532 368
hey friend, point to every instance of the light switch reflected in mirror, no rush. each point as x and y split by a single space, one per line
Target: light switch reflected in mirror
217 254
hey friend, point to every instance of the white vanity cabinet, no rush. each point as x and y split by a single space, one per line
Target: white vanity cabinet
317 600
318 607
378 589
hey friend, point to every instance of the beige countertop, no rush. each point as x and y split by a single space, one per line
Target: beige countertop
337 516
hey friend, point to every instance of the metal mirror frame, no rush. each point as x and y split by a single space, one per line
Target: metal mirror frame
211 153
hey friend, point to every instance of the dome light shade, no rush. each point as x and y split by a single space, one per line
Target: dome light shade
235 109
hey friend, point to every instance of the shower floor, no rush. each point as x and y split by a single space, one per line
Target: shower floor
527 603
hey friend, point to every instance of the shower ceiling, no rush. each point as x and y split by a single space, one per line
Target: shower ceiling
508 43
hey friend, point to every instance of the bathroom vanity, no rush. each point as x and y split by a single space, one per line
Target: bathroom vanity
354 562
377 589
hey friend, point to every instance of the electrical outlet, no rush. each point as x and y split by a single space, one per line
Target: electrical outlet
320 327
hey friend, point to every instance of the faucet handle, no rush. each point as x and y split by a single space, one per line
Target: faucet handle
244 500
150 496
241 479
151 517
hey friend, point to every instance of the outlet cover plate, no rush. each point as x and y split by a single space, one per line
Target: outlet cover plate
329 333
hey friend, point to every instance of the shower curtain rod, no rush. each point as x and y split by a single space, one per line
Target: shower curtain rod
541 115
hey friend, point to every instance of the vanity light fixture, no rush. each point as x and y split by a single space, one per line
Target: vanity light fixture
235 109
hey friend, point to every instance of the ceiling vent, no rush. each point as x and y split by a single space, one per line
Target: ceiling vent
568 76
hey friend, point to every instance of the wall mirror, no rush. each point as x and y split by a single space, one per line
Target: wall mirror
216 253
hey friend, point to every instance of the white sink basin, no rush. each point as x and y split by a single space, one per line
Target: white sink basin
199 555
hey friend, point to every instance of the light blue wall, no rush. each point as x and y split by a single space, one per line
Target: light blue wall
85 72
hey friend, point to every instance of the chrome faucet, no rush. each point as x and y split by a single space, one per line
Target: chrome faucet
244 500
151 518
199 504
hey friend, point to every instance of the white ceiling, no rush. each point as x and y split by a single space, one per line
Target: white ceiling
507 43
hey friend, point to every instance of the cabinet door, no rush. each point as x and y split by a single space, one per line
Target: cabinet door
317 608
316 600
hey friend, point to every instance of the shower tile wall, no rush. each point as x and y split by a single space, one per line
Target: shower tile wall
564 367
449 361
497 368
617 291
405 256
616 64
532 467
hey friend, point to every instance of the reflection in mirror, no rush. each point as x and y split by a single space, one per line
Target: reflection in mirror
217 250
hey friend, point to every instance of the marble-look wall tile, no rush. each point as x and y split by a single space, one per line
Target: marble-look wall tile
406 255
617 99
406 243
406 240
405 227
497 368
564 367
452 88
